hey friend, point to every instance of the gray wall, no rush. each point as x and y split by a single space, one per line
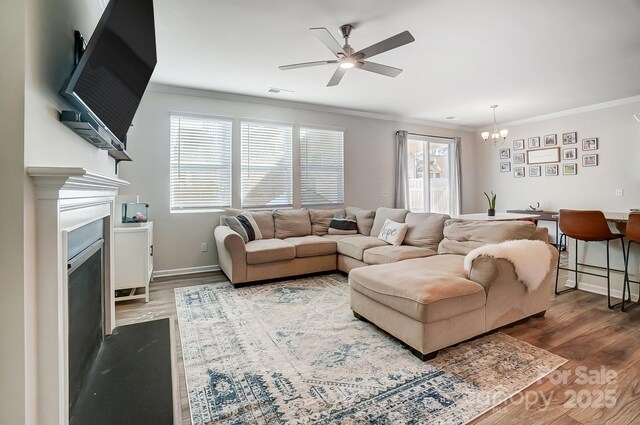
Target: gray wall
369 163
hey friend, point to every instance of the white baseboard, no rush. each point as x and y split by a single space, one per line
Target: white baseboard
600 290
186 270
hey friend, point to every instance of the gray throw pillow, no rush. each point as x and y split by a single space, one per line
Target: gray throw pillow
245 226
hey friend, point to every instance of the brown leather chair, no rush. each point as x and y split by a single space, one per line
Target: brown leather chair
587 226
633 236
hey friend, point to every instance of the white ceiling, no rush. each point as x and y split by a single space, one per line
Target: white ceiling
529 57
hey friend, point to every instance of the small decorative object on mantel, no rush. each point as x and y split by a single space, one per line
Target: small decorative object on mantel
534 207
491 212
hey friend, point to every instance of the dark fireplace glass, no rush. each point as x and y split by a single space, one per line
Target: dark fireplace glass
85 307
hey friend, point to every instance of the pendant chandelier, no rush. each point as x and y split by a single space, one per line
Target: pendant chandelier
495 133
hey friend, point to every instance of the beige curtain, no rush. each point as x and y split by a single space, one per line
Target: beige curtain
402 169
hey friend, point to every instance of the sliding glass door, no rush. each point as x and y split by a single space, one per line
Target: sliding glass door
430 165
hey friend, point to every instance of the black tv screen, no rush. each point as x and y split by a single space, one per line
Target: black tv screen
114 70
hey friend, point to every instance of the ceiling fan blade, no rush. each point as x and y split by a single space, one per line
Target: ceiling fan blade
337 76
389 71
397 40
305 64
327 39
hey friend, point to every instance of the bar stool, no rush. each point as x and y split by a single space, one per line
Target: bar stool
587 226
633 236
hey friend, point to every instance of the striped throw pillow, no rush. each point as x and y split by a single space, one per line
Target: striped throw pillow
245 226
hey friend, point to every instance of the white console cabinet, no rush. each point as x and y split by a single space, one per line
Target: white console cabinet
133 260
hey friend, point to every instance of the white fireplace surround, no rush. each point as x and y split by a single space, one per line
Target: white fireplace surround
67 198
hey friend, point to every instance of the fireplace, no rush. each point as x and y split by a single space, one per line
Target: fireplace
75 216
85 303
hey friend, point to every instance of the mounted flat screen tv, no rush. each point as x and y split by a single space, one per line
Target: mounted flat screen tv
113 72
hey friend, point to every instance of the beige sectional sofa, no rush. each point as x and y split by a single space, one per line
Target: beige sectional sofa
418 291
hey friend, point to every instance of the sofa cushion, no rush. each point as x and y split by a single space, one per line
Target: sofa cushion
311 246
364 219
321 219
393 232
292 223
391 254
264 220
269 250
382 214
337 237
462 236
354 246
425 229
426 289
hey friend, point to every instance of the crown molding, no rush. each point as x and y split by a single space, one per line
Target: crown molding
568 112
235 97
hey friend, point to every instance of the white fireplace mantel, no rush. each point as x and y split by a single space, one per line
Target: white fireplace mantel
67 198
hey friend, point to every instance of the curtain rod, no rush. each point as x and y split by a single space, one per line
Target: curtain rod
426 135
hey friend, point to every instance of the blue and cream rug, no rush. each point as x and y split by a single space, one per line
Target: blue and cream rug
291 352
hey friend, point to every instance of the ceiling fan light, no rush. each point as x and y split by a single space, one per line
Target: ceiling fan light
485 135
347 63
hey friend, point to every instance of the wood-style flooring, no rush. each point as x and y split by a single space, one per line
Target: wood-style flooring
578 327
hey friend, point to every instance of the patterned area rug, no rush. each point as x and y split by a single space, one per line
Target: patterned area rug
292 352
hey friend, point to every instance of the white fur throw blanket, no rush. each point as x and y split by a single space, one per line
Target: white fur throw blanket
531 259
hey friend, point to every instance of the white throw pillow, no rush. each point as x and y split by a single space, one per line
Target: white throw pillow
393 232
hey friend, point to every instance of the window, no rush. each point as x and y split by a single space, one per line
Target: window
200 163
266 165
429 175
321 167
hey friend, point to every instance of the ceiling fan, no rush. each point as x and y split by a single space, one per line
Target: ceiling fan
347 58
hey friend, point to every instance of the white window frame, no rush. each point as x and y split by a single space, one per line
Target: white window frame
425 140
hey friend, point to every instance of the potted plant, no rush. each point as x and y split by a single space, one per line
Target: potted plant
491 212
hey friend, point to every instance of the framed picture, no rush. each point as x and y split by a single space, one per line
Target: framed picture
533 142
518 145
570 138
505 167
542 156
551 170
570 169
505 153
590 160
570 154
590 144
518 172
518 158
550 140
535 171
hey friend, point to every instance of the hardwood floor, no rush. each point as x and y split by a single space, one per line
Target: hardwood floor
578 327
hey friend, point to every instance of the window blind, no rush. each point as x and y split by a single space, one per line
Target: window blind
200 163
321 166
266 170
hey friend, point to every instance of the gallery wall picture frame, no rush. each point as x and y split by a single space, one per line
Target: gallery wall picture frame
550 140
533 142
505 153
590 144
551 170
505 167
570 169
518 172
570 154
518 145
535 171
543 156
570 138
590 160
518 158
